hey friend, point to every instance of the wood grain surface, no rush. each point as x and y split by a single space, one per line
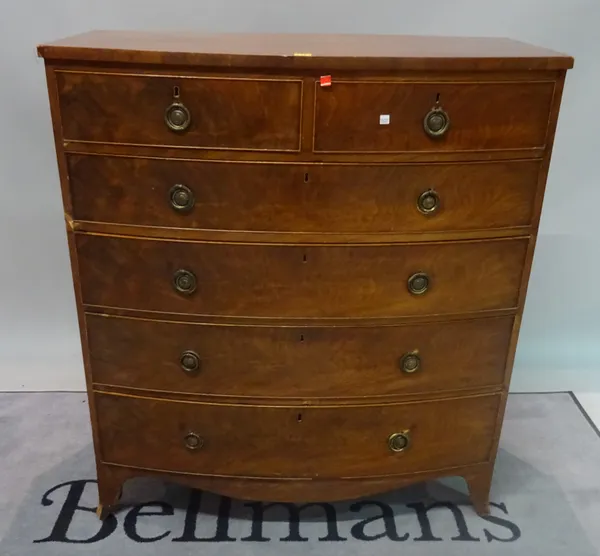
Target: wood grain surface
347 116
301 281
298 362
295 441
313 489
305 51
320 198
226 113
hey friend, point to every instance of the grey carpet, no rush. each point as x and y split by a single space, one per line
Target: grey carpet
546 497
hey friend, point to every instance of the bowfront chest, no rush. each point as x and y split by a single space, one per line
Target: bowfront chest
300 261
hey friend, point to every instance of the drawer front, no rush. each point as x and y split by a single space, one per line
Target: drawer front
224 113
299 362
295 441
302 198
299 281
348 116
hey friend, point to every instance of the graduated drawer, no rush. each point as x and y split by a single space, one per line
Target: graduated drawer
352 115
300 441
298 362
216 112
300 281
302 198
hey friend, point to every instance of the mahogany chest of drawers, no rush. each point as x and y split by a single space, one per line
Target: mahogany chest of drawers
300 261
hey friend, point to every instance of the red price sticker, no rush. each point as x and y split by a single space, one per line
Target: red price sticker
326 81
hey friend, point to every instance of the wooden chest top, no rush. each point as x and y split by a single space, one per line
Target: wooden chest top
306 51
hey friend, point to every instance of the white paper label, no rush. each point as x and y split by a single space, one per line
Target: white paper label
384 119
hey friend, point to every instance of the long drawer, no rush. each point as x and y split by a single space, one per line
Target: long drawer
303 197
294 441
298 362
300 281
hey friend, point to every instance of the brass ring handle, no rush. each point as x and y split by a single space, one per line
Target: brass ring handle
399 441
418 283
181 198
177 116
190 361
192 441
436 122
428 202
410 362
184 281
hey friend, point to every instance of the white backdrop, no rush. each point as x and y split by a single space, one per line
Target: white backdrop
39 343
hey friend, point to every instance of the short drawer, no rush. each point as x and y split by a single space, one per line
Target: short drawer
300 281
300 441
298 362
179 111
319 198
361 116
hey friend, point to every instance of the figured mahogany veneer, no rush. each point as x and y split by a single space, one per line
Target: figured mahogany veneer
251 441
227 113
479 119
250 248
301 281
298 361
274 51
280 197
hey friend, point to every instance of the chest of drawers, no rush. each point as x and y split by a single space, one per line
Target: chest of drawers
300 262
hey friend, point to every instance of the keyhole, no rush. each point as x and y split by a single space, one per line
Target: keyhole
176 91
306 177
437 98
301 337
299 417
304 258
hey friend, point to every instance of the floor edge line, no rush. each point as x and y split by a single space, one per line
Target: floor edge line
584 413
